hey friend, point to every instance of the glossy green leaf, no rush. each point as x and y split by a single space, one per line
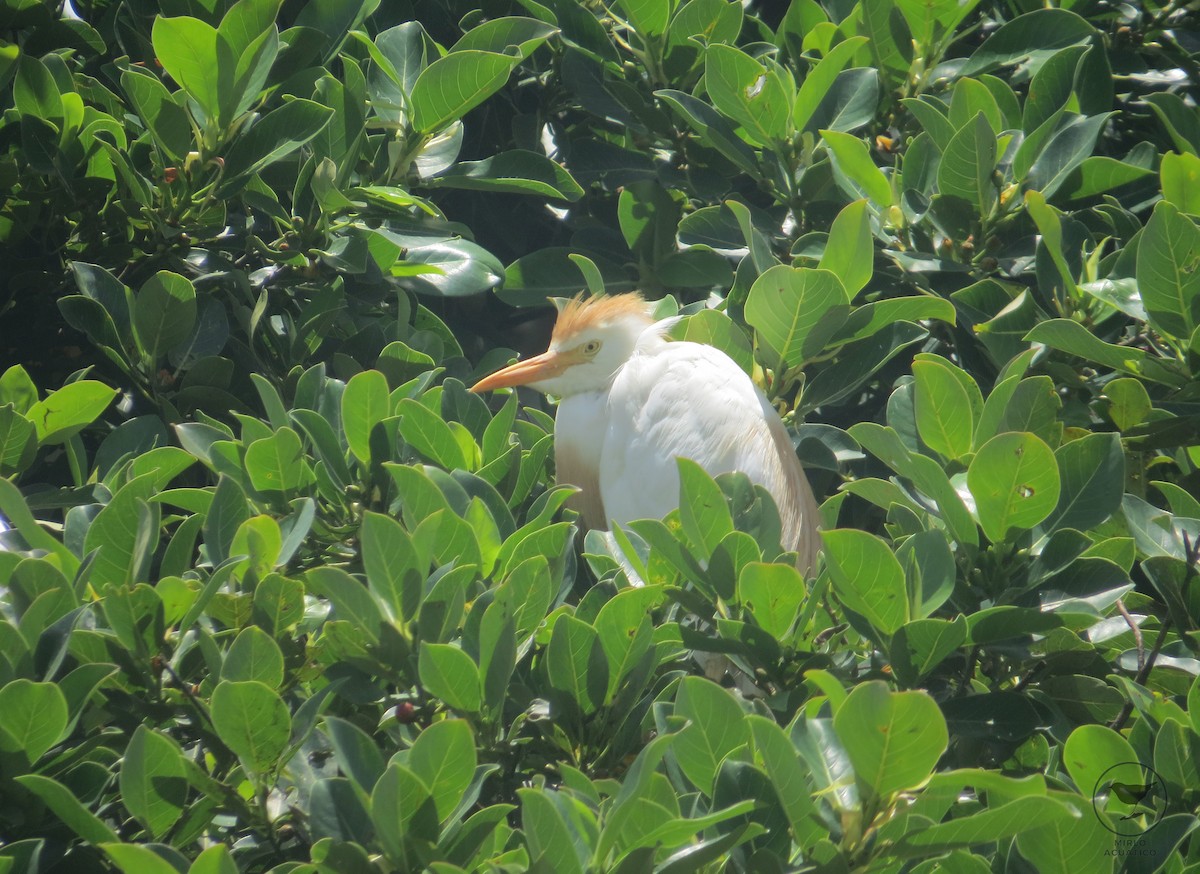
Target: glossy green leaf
444 757
702 508
867 578
365 403
752 95
454 84
852 159
1166 274
648 17
252 721
254 655
849 252
515 172
154 780
718 726
277 463
967 164
1015 481
66 412
796 310
450 674
33 717
67 807
187 48
893 738
947 406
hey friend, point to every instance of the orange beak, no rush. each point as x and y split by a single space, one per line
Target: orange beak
540 367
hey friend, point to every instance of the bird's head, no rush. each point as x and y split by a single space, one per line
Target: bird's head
592 339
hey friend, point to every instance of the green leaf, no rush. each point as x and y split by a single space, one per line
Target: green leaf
795 310
947 405
1129 402
1092 469
714 129
357 754
66 412
922 645
452 85
226 514
773 594
1095 755
153 780
852 159
780 761
1166 271
444 757
549 272
714 328
717 726
1029 39
514 172
819 80
867 578
744 90
648 216
365 403
987 826
254 655
702 507
18 442
277 463
391 565
18 389
117 532
849 253
450 674
1015 481
166 120
67 807
648 17
163 312
426 432
136 858
503 35
576 663
402 810
967 164
1180 175
1070 336
272 138
872 318
253 722
553 844
1067 845
33 716
893 738
187 49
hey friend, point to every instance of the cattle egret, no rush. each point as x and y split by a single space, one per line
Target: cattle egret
631 402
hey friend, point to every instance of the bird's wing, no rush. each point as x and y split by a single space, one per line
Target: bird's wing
691 400
579 431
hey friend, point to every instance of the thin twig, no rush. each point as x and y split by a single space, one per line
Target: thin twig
1137 633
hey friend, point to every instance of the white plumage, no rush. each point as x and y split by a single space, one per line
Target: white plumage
632 402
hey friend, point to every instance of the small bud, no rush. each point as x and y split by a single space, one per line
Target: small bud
406 713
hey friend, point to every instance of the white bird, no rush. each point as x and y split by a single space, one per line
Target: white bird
632 401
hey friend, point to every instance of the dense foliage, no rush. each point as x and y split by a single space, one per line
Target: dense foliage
281 594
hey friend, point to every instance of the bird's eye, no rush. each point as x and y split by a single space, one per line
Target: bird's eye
591 347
